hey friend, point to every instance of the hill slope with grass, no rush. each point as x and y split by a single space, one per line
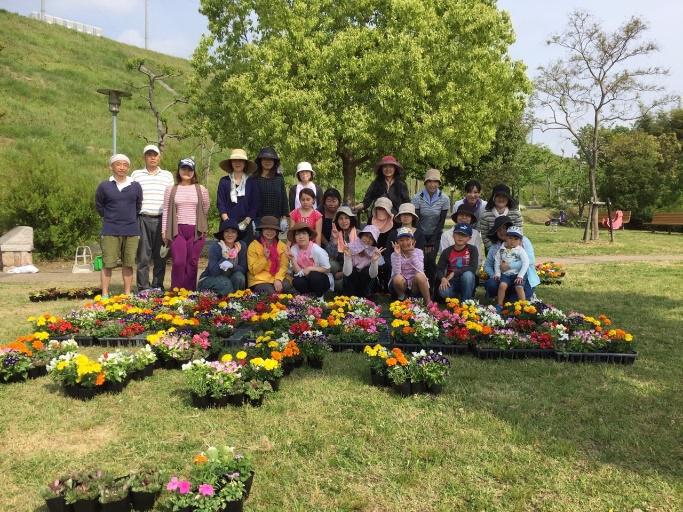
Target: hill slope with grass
55 129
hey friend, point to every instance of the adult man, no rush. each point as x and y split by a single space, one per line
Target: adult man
154 182
118 201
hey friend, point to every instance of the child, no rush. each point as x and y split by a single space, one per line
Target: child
465 214
343 232
310 262
500 203
458 265
407 267
307 214
361 263
513 254
304 177
331 202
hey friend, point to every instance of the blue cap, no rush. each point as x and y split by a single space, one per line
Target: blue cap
186 162
463 229
402 232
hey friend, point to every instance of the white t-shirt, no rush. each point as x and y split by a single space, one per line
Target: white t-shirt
320 258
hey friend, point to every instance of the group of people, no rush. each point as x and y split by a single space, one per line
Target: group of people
326 248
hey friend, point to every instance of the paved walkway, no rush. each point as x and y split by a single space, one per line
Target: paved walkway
612 258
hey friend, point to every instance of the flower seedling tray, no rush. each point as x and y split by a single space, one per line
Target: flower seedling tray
136 341
596 357
528 353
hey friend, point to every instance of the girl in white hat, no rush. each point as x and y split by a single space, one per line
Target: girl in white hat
304 179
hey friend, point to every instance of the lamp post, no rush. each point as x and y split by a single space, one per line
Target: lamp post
114 98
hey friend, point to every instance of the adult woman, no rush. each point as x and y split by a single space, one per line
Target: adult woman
227 268
499 204
238 196
310 262
496 237
431 207
330 203
271 186
267 258
472 199
387 183
343 233
184 224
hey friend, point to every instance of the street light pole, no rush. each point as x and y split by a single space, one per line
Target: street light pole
114 99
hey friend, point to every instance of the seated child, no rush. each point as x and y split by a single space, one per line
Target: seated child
407 268
361 263
517 262
457 267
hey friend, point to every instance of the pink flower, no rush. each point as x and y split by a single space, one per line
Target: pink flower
184 487
206 490
172 484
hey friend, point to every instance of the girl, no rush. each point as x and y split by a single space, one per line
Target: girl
227 268
307 214
310 262
238 197
304 177
472 199
267 259
271 186
407 268
361 261
343 233
383 220
500 203
184 224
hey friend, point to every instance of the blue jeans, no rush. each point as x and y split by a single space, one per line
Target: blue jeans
491 286
223 284
461 287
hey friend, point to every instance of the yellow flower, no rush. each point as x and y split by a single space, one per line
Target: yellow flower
270 364
61 365
41 335
273 344
226 358
628 337
323 323
241 355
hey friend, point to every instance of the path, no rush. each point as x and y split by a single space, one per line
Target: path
612 258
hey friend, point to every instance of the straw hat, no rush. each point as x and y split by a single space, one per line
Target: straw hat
408 208
237 154
433 175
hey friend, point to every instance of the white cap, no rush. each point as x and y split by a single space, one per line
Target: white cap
515 231
151 147
304 166
118 158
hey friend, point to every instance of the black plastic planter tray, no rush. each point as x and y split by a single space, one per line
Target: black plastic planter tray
122 342
456 348
596 357
528 353
356 347
83 341
488 353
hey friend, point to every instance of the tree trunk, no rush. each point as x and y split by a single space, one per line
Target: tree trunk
349 171
594 231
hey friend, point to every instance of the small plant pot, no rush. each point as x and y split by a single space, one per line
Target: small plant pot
237 400
116 506
247 485
37 371
298 362
86 505
376 379
256 402
200 402
418 387
315 363
435 389
15 378
80 393
57 504
170 364
114 387
402 389
148 371
137 375
287 368
234 506
275 384
143 501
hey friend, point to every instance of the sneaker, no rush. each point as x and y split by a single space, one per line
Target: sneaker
499 308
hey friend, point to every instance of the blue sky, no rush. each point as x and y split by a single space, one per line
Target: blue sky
176 25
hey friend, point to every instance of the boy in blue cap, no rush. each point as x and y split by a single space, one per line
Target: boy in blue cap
513 254
457 267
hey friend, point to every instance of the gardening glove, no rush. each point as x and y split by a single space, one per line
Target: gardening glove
226 265
300 273
284 224
243 225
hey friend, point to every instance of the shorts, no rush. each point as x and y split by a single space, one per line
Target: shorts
115 248
510 280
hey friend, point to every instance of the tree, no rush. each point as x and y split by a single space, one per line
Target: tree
346 81
152 79
595 83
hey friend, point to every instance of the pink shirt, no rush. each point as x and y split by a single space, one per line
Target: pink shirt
186 205
311 220
407 267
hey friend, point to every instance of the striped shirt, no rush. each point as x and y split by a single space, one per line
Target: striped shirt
430 210
408 267
186 205
153 188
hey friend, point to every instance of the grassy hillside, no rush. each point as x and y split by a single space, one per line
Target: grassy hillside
48 81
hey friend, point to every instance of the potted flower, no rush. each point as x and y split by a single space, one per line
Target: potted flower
54 494
14 365
416 375
222 465
142 364
115 366
377 356
214 382
179 496
314 347
256 390
114 495
232 495
434 369
79 376
397 364
264 370
145 486
83 494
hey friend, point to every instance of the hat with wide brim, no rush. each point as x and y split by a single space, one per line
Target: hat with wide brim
268 152
346 211
408 208
304 166
300 226
433 175
370 230
503 220
502 190
268 222
228 224
388 160
237 154
469 210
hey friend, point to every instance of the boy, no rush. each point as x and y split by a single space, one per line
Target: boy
465 214
407 267
458 265
512 253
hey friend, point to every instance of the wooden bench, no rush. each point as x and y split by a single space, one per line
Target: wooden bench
667 219
602 214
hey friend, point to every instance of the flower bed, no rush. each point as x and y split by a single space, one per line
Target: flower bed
550 272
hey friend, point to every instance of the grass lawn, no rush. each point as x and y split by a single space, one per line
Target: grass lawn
507 435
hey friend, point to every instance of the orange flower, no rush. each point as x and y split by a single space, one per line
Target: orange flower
200 458
391 361
37 345
408 330
402 360
486 330
100 379
598 328
276 355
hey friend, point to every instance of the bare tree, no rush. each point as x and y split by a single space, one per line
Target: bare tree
594 87
153 79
